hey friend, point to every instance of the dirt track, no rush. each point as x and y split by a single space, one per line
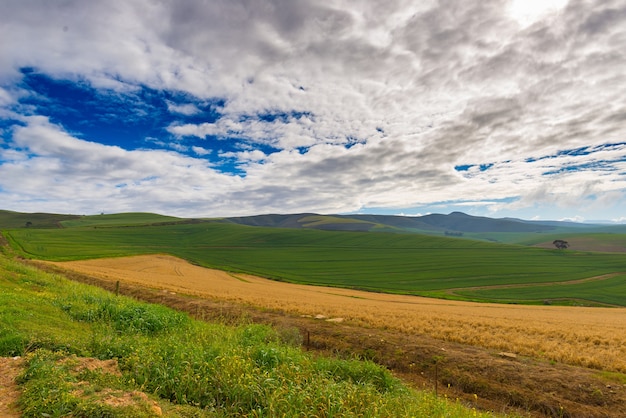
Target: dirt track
408 333
9 391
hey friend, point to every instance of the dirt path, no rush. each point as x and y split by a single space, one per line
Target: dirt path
484 352
9 391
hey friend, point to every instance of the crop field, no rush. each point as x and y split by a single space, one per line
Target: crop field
612 291
590 337
555 319
67 349
385 262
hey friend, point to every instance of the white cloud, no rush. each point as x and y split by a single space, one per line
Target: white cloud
54 168
187 109
377 103
527 12
201 151
5 98
578 219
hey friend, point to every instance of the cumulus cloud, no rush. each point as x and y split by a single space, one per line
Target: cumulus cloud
51 165
184 109
326 106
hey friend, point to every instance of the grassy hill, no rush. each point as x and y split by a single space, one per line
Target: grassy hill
10 220
435 223
458 224
120 219
386 262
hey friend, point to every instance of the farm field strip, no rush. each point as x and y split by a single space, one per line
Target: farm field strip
590 337
394 263
612 291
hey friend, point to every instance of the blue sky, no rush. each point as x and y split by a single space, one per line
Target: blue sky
227 108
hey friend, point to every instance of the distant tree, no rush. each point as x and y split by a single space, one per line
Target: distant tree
29 224
560 244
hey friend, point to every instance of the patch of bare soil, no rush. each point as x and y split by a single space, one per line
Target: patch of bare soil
487 378
116 398
10 368
80 364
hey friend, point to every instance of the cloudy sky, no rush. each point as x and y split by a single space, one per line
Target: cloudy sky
240 107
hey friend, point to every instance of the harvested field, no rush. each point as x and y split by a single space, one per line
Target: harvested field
545 359
589 337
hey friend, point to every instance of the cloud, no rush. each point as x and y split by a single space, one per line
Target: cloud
187 109
52 165
318 106
201 151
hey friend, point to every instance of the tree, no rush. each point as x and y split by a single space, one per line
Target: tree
29 224
560 244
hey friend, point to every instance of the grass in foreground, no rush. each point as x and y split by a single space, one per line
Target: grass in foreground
187 368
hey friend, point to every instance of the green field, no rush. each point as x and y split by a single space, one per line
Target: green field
610 291
9 219
119 219
377 261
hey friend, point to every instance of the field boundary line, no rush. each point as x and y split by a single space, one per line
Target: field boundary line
542 284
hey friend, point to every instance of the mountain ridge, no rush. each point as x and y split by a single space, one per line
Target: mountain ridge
455 222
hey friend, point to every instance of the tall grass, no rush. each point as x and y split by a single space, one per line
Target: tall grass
190 368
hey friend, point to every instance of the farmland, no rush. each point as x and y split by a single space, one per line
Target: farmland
76 350
375 261
590 337
554 361
368 288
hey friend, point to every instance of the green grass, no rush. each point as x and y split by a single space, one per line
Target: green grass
119 219
188 368
609 291
387 262
9 219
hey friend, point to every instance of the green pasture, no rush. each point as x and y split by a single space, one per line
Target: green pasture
596 241
387 262
610 291
9 220
601 236
118 219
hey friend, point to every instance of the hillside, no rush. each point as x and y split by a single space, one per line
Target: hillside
454 222
457 224
11 220
409 263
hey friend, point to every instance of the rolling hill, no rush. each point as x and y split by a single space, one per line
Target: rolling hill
454 222
433 223
413 263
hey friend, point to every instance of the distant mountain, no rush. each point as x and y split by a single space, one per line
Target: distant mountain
459 221
559 224
455 222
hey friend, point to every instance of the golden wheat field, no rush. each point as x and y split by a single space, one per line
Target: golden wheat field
590 337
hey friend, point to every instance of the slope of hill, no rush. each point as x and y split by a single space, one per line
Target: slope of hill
459 221
9 220
454 222
387 262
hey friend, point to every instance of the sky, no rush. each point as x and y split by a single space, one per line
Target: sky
210 108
